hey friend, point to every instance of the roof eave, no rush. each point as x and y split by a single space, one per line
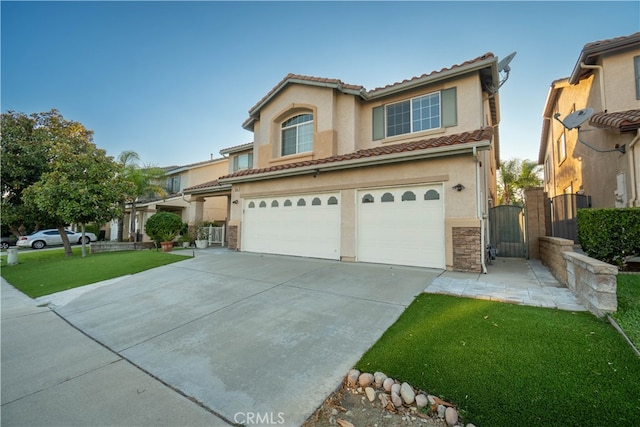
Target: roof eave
590 54
208 190
426 153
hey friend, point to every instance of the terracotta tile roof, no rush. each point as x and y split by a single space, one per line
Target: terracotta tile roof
593 50
453 67
443 141
205 185
622 121
235 148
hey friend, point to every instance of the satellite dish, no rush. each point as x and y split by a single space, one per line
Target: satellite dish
503 65
575 119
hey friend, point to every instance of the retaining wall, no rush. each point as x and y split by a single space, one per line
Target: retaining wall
593 282
97 247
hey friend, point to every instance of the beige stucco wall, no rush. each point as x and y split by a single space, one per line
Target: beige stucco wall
460 207
619 81
214 208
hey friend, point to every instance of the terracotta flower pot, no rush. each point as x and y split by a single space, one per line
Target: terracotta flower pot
166 246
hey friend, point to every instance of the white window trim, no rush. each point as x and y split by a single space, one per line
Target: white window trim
410 100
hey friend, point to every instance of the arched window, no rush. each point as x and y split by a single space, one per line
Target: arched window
252 205
287 202
332 201
368 198
297 134
387 197
301 202
263 204
316 201
408 196
274 204
431 195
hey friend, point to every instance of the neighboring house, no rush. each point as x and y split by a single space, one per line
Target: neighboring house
402 174
213 208
604 163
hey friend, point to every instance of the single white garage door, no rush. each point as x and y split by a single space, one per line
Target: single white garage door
403 225
301 225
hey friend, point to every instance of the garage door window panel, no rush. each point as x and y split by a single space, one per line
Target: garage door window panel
387 197
432 195
368 198
409 196
316 202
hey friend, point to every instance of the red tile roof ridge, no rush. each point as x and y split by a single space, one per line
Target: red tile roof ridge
422 144
605 42
471 61
623 120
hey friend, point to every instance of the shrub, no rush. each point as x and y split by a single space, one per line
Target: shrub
163 226
610 235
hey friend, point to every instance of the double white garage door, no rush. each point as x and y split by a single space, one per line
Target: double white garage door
403 225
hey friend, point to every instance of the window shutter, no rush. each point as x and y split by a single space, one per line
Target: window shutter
250 160
449 107
636 61
235 163
378 123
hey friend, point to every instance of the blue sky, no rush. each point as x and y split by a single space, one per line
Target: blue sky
174 81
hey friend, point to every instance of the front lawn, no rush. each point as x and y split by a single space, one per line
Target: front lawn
512 365
41 273
628 314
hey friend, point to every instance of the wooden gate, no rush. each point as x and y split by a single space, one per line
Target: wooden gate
506 225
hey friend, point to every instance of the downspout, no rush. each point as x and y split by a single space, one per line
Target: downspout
603 99
479 211
633 201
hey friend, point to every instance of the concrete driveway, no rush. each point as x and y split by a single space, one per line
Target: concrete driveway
256 339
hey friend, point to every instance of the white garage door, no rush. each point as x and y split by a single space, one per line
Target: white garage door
301 225
403 226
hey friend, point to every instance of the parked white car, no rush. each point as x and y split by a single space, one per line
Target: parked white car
42 238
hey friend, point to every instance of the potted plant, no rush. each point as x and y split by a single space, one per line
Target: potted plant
164 227
200 234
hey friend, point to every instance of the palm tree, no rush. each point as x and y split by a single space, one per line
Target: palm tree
145 182
514 177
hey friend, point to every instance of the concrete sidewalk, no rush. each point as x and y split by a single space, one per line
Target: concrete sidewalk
54 375
511 280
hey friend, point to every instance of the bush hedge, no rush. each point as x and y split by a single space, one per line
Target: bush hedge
610 235
163 226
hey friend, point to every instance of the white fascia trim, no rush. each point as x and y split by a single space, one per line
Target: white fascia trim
208 190
365 161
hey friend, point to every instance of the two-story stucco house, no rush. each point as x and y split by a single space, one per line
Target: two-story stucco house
402 174
602 160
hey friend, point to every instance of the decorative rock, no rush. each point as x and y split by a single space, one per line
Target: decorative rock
421 401
470 425
379 378
431 399
407 393
395 388
441 411
451 416
371 393
384 399
387 383
352 377
365 380
396 400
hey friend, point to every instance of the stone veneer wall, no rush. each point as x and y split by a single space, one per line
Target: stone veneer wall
593 282
232 237
467 254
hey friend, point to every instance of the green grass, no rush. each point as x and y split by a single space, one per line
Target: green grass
512 365
41 273
628 314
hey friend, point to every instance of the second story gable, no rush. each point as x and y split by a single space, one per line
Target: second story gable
180 177
308 118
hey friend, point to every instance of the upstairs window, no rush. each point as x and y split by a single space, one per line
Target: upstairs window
173 184
414 115
242 161
297 134
431 111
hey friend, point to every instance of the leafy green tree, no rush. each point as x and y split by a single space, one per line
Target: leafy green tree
81 183
24 157
146 182
515 176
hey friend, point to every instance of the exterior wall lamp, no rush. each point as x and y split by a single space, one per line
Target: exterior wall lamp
458 187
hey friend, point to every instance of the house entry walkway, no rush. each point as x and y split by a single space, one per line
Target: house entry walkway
511 280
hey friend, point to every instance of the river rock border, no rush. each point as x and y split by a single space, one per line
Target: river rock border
401 398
